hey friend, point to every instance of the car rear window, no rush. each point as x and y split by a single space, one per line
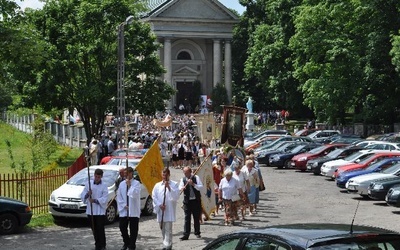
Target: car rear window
367 242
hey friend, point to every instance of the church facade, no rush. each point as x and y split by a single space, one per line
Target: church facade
196 46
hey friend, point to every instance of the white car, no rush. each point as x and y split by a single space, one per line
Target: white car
329 168
65 201
360 184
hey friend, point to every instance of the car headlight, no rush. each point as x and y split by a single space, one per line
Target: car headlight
377 187
315 164
303 158
52 197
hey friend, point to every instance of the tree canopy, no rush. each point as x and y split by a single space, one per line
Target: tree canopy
77 67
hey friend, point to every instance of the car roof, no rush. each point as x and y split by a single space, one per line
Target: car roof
106 167
308 234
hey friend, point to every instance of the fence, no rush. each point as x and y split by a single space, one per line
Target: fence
32 188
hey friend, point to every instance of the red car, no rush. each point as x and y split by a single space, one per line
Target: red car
366 162
300 161
132 153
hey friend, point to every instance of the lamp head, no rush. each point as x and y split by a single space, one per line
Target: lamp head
129 20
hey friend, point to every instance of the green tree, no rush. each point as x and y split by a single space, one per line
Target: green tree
219 97
80 66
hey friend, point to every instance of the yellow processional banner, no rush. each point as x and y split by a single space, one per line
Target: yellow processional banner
150 167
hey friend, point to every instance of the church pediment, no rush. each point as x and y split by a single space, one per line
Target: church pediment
186 71
191 9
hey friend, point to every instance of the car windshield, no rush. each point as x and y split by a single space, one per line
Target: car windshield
335 153
116 161
297 149
392 170
122 152
353 156
317 150
80 178
375 165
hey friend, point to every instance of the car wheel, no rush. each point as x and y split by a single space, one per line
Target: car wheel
287 164
8 224
111 213
317 172
148 207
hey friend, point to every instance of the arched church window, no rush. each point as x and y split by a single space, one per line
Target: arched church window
184 55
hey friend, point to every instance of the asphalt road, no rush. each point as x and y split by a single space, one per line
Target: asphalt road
290 197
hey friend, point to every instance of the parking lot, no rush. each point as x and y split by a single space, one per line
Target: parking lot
290 197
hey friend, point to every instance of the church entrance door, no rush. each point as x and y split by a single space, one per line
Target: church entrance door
185 97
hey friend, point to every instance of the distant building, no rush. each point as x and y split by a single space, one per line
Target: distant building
196 37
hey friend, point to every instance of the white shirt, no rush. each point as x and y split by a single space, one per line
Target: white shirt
171 199
198 186
229 188
242 178
134 199
253 176
100 193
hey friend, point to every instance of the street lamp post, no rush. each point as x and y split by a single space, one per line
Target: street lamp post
120 79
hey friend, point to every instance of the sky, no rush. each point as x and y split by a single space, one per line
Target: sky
231 4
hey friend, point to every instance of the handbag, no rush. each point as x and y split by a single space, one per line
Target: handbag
262 186
236 197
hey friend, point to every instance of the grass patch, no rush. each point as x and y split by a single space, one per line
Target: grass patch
41 220
21 150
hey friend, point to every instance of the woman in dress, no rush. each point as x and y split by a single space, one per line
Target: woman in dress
244 183
254 181
228 190
218 173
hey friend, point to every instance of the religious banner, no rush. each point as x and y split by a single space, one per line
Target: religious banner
206 126
205 173
150 167
233 126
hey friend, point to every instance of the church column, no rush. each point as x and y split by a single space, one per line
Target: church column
168 68
217 62
228 69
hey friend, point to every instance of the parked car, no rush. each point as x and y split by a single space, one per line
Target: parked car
133 161
377 190
14 214
122 152
65 201
341 138
284 159
314 165
308 236
360 184
263 157
321 135
305 132
300 161
366 162
379 166
329 168
264 134
393 196
384 145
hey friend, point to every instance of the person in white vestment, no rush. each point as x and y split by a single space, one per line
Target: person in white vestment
165 197
95 198
128 201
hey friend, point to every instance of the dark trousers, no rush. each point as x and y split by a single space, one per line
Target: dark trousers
192 208
97 225
129 241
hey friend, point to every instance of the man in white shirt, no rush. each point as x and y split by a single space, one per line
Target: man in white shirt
95 195
191 187
165 197
128 200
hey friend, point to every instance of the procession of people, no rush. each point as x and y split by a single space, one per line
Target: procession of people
234 182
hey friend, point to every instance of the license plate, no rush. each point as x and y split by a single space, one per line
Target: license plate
292 164
69 206
309 167
386 199
351 188
369 191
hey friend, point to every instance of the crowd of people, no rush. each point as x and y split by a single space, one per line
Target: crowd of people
236 184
